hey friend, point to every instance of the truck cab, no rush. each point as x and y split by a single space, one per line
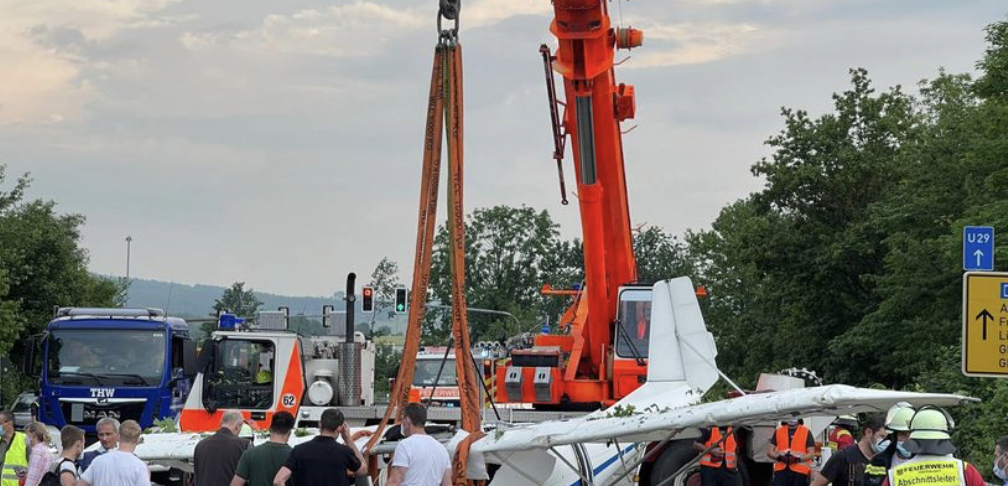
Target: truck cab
126 364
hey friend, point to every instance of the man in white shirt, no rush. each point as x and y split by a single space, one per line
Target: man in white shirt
419 459
119 467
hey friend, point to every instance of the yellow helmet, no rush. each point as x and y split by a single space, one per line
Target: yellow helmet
898 418
931 423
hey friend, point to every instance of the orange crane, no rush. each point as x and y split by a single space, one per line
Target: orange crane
602 357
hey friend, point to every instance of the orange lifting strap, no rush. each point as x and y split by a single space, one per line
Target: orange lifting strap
444 106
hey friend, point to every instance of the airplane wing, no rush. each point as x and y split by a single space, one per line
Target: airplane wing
655 425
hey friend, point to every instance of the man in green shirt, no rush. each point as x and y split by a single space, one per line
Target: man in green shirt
259 465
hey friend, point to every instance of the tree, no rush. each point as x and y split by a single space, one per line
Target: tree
659 255
510 253
237 300
41 265
385 281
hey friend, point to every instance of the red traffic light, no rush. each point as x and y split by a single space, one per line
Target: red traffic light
367 302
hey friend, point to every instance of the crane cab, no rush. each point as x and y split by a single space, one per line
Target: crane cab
632 336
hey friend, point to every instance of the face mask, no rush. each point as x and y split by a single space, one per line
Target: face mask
880 445
792 423
998 471
901 448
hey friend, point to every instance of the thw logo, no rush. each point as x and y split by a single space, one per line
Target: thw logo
102 392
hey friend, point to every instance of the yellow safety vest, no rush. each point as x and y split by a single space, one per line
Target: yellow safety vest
15 461
929 471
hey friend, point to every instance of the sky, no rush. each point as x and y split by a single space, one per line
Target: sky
279 142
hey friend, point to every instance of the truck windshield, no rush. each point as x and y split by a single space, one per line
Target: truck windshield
427 372
106 357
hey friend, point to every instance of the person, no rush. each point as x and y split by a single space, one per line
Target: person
792 449
40 458
65 471
847 466
895 453
108 437
842 436
419 459
933 464
13 450
718 467
322 461
216 457
1001 460
260 464
119 467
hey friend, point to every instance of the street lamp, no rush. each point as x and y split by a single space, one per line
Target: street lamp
129 240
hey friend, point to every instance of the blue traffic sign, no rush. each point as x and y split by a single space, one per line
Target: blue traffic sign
978 248
1004 291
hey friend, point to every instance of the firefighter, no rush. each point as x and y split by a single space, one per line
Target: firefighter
719 465
895 453
792 449
933 464
842 436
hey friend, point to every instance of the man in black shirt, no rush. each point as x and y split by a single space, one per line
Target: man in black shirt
322 461
216 457
847 466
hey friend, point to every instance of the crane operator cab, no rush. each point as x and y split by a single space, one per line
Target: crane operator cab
632 336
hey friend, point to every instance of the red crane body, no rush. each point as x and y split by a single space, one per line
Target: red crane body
581 365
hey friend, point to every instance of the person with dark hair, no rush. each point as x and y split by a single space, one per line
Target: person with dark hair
419 459
15 448
896 453
847 466
322 461
792 449
719 463
1001 459
260 464
933 465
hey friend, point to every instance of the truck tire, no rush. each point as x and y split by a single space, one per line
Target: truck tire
671 459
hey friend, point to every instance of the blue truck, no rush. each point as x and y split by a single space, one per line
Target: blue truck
121 363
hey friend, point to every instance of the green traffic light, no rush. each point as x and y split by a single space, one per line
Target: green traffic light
400 307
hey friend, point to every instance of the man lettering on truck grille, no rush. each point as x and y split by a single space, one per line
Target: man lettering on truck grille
846 467
792 449
419 459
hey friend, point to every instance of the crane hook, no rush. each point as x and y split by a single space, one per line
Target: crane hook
449 9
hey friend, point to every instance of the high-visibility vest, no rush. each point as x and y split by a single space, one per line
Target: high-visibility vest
15 461
929 470
834 438
797 447
728 446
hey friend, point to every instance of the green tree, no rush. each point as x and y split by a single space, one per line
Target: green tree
385 281
660 255
237 300
510 253
41 265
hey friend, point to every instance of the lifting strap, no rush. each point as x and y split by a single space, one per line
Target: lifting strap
444 111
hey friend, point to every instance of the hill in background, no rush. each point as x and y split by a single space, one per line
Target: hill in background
196 301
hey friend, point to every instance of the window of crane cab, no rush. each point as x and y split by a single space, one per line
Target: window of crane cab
634 325
243 375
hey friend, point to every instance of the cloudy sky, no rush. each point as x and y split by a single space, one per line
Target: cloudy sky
278 142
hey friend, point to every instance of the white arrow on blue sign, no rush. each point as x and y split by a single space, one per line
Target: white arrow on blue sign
978 248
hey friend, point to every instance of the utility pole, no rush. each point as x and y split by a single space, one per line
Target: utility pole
129 240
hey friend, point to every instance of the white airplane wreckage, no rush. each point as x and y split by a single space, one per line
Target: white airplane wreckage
646 438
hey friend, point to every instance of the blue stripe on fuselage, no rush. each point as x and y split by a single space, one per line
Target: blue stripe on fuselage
607 463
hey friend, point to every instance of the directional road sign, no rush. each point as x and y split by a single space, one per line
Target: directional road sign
985 324
978 248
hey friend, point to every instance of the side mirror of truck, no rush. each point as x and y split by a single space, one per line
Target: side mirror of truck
189 369
29 363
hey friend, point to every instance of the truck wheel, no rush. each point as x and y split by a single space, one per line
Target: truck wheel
671 459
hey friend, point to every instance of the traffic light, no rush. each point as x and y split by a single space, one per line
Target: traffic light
367 299
400 300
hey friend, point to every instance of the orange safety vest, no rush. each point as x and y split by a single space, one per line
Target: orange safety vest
728 446
797 447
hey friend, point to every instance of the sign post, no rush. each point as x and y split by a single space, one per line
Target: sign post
985 324
978 248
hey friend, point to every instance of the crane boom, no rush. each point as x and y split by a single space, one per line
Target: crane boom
581 367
